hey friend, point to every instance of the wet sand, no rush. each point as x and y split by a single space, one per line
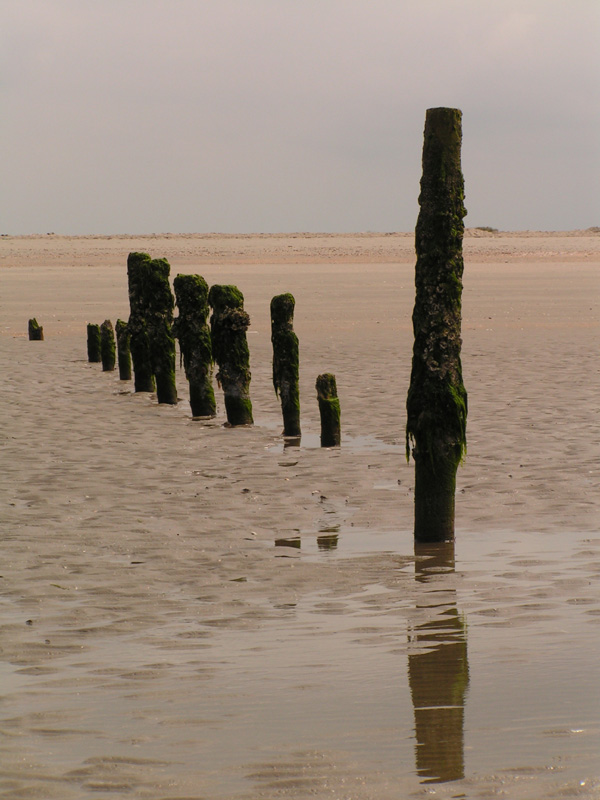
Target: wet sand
191 611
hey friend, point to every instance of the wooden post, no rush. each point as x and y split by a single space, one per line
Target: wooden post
158 305
192 330
139 342
437 399
285 361
229 323
94 343
107 346
35 330
329 408
123 350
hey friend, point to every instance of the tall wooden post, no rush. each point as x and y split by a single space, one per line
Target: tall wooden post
192 330
285 361
229 323
437 399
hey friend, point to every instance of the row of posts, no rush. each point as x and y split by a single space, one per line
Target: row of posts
437 399
147 342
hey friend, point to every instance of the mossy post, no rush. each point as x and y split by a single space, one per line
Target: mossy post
329 408
123 350
158 309
285 361
192 330
107 346
35 330
229 323
437 399
139 342
94 343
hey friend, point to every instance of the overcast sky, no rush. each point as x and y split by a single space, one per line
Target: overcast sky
142 116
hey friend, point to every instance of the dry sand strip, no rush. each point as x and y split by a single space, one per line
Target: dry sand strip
480 245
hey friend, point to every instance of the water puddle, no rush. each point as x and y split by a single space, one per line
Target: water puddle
455 671
337 541
500 642
312 441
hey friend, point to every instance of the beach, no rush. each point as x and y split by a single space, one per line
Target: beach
189 610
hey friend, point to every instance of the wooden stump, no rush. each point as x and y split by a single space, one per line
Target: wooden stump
94 343
329 408
139 342
107 346
229 323
159 304
123 350
35 330
286 361
192 330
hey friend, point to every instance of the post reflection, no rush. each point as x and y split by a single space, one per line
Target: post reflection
438 669
328 541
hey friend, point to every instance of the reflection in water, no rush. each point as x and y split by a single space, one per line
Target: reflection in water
438 669
329 541
291 441
327 538
294 541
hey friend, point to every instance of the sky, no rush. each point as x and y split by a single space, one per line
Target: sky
240 116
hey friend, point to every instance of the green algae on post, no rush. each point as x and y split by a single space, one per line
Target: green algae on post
94 346
285 361
123 351
35 330
329 408
158 309
151 315
192 330
139 342
229 323
437 399
107 346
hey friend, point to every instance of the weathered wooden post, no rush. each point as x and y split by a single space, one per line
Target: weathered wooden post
107 346
192 330
35 330
123 350
437 399
229 323
329 408
94 343
139 342
285 361
159 303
